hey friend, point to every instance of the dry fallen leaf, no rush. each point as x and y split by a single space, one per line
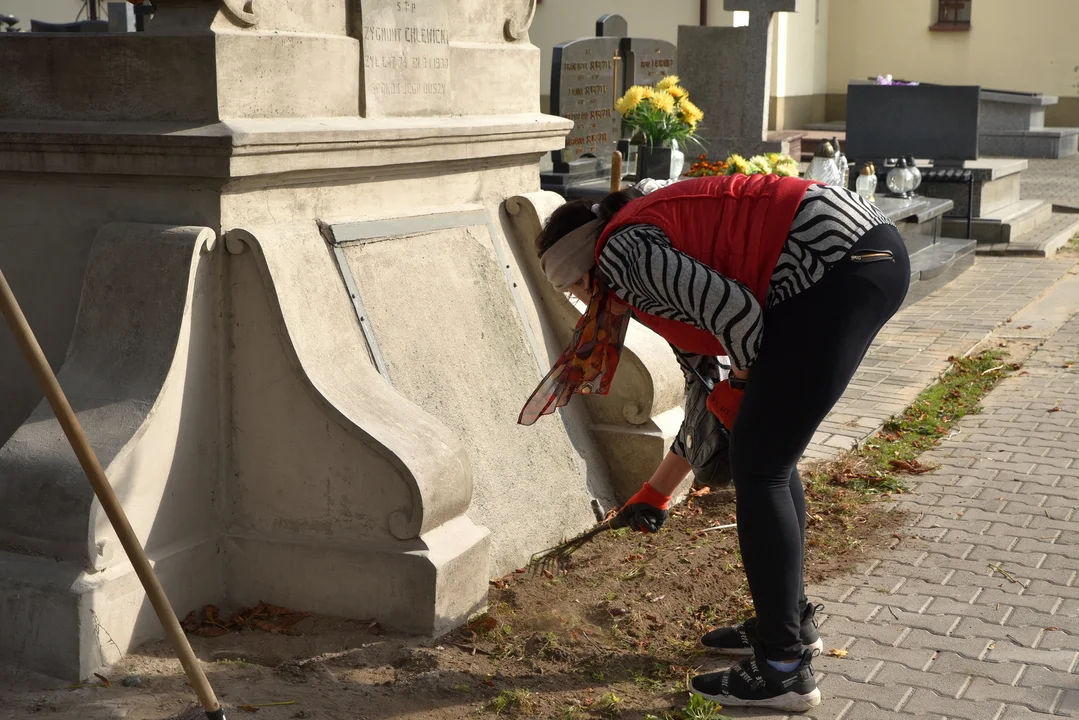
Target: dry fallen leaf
104 680
1054 409
837 653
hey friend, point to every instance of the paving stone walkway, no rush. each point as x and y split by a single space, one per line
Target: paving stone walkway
973 611
1054 180
914 347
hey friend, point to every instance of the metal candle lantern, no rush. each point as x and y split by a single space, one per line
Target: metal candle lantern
866 184
901 180
823 168
915 172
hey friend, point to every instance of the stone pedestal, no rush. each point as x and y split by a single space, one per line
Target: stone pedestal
999 213
934 259
1013 125
234 395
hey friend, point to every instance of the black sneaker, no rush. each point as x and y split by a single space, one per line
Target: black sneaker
753 683
736 640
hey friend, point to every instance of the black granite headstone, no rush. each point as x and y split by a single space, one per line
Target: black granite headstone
647 61
937 122
586 79
612 25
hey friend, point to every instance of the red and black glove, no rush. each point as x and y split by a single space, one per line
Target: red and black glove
725 399
644 512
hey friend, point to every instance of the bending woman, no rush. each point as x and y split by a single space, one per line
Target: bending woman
791 280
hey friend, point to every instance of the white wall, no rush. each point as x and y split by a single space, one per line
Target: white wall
1026 46
559 21
800 50
47 10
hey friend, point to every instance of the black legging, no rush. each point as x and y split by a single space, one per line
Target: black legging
813 342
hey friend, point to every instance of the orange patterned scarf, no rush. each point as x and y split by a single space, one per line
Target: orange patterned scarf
587 366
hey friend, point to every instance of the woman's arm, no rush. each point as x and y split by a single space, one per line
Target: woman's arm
670 474
643 269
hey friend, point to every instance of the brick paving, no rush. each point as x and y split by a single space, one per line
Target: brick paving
1042 241
932 628
1054 180
915 346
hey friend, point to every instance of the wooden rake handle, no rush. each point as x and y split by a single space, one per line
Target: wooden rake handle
24 336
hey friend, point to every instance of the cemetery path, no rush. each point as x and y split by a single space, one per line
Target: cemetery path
914 347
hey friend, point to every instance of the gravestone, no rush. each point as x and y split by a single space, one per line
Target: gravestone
647 60
584 86
612 25
406 57
728 70
587 77
937 122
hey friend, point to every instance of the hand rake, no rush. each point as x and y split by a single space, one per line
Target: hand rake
559 556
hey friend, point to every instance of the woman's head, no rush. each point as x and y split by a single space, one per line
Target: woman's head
567 243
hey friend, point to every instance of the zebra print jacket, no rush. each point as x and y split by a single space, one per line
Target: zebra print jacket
641 267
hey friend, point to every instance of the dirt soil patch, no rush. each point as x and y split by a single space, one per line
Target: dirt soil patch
614 635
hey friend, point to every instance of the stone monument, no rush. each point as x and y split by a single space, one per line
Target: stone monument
587 77
271 262
728 70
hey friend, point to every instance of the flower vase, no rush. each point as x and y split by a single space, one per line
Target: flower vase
654 162
678 160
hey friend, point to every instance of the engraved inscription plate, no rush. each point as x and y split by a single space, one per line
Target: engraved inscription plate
586 79
648 61
406 56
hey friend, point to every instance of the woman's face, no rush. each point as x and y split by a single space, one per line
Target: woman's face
582 289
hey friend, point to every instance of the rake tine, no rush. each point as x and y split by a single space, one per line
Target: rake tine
559 554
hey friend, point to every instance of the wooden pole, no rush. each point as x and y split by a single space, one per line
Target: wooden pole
24 336
616 171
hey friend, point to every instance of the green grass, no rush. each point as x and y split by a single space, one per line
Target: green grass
700 709
520 702
876 465
609 704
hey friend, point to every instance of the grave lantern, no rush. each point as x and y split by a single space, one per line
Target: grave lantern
901 180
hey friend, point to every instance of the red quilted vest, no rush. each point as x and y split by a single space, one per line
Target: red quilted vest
736 225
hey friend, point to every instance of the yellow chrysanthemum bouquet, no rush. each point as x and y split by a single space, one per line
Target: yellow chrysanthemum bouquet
770 164
661 113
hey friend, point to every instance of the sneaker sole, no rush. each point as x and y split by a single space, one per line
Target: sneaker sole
792 701
817 648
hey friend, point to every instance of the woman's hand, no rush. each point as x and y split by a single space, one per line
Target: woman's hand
647 510
644 512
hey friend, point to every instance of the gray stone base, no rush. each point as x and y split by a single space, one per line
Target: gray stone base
1051 143
59 620
934 264
425 586
1002 225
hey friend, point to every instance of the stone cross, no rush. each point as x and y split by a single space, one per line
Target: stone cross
728 71
758 56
